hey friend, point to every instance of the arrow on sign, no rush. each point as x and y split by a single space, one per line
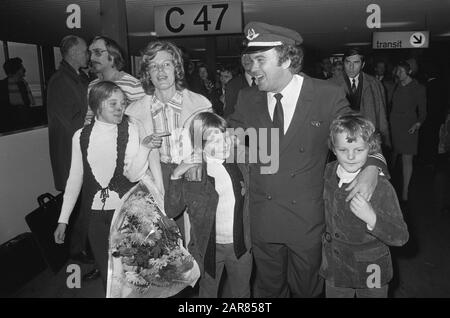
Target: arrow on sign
417 39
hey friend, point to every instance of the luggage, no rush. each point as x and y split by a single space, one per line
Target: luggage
20 261
42 223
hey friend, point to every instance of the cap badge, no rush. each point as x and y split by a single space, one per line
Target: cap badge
251 34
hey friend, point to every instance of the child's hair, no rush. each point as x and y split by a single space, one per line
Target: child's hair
201 123
100 92
355 125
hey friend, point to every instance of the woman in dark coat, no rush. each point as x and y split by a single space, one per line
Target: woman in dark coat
407 115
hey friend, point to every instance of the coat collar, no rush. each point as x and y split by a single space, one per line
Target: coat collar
70 71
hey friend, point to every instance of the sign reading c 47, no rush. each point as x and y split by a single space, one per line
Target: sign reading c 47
198 19
400 40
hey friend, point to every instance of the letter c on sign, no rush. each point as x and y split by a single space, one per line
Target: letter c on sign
168 25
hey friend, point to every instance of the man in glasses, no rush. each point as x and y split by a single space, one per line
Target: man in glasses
107 61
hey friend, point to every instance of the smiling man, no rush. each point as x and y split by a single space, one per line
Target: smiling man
286 207
107 61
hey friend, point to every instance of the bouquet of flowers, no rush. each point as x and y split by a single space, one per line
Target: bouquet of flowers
147 258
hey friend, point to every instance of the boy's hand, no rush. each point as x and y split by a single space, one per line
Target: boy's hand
194 173
182 168
363 210
365 183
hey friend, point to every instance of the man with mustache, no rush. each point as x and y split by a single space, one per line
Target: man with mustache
107 61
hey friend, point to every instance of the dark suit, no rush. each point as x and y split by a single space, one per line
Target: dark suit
231 93
66 109
369 100
286 208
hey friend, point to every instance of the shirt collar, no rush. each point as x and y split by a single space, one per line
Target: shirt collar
177 99
356 78
213 160
345 176
248 78
103 124
288 88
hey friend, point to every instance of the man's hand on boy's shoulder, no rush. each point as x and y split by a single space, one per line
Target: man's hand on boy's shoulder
364 184
363 210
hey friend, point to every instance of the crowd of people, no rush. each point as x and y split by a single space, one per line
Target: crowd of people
309 224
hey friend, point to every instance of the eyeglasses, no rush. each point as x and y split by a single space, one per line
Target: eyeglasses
97 52
166 65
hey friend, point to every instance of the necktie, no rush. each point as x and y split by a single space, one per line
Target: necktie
353 86
253 81
278 116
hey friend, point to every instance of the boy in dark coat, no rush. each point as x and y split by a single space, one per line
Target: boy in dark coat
218 208
356 258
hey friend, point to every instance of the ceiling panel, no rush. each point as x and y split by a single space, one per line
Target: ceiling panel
326 25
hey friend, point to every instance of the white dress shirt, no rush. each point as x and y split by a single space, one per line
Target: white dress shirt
356 80
290 94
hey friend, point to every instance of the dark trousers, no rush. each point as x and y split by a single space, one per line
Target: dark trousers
287 270
78 235
98 233
344 292
238 270
167 169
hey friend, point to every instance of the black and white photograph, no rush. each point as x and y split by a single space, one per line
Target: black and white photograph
224 154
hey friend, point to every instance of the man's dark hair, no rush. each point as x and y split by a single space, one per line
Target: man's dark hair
354 51
114 50
12 66
292 52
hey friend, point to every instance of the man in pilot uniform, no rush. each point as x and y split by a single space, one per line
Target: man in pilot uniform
286 205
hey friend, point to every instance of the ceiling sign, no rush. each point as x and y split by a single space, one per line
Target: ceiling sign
400 40
198 19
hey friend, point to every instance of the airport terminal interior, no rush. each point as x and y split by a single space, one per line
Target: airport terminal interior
211 36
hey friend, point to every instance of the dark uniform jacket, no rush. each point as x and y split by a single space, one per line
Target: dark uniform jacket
287 206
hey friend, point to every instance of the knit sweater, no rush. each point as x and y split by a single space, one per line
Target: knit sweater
101 156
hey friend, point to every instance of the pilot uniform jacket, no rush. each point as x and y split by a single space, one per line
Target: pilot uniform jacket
349 247
201 199
287 205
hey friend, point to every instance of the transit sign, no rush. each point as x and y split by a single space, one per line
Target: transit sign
401 40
